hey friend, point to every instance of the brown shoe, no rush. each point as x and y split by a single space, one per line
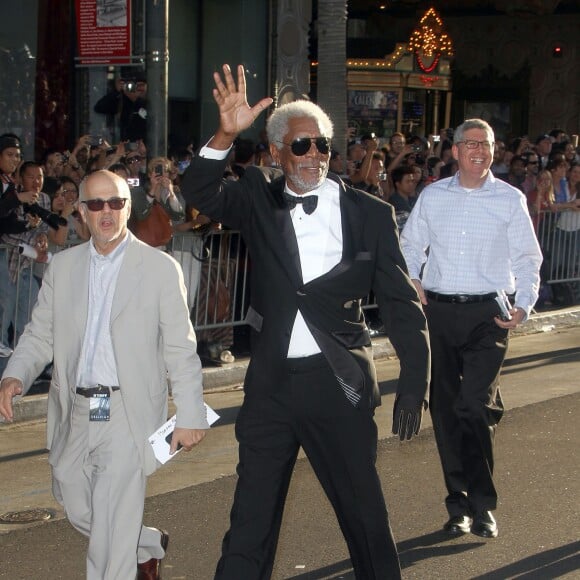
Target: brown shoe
150 570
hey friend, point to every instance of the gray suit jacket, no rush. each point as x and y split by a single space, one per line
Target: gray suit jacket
152 337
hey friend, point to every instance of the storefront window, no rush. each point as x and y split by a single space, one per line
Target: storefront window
373 112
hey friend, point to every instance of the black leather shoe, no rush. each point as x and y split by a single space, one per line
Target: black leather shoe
484 525
458 525
150 570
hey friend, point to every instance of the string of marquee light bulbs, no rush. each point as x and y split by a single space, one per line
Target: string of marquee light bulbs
429 39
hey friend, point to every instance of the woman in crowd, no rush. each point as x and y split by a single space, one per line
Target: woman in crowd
156 205
574 181
558 167
65 204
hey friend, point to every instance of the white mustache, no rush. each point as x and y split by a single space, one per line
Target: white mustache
312 166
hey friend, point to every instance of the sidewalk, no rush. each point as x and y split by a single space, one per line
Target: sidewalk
33 407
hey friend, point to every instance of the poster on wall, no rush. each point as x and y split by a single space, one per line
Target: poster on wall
373 112
103 31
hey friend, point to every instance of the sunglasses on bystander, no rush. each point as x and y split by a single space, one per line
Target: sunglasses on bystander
115 203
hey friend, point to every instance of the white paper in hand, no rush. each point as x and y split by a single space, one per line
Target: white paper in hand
158 440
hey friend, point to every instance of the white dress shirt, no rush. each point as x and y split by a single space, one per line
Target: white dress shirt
473 241
98 365
319 237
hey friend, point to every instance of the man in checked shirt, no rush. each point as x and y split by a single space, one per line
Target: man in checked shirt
468 237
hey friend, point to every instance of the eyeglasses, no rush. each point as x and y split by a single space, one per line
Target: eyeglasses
302 145
475 144
69 191
532 162
115 203
135 159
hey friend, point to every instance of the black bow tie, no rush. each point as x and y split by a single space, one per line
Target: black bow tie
309 202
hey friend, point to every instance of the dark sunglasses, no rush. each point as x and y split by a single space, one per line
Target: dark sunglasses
302 145
115 203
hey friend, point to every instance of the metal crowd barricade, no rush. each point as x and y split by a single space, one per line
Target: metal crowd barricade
216 275
220 258
560 245
217 266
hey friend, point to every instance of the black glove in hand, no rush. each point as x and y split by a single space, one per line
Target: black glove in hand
406 419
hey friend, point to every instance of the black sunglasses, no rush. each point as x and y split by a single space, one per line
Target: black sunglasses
115 203
302 145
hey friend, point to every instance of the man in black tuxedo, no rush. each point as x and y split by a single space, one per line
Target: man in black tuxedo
317 249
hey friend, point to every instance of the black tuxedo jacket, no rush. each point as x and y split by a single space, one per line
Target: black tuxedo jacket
330 304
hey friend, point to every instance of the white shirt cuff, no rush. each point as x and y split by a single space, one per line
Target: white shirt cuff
215 154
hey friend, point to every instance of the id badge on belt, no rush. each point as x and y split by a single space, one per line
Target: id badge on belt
100 407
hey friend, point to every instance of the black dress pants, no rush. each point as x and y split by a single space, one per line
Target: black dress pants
309 410
467 350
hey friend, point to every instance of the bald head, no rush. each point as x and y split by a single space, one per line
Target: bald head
104 179
105 206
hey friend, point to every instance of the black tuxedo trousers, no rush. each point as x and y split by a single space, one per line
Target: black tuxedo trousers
308 410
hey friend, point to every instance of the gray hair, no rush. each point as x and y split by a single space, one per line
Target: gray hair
473 124
277 127
122 186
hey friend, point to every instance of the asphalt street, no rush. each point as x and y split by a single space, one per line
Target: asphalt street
537 473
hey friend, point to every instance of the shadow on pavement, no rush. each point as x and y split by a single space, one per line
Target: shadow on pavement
549 564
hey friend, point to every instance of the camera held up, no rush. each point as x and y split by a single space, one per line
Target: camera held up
52 219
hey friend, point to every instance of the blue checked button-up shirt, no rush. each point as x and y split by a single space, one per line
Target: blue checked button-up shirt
473 241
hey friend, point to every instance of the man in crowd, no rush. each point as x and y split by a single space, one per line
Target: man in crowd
517 172
25 228
532 169
112 314
543 149
467 237
404 198
128 100
317 249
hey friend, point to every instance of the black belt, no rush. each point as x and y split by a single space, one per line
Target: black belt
461 298
98 390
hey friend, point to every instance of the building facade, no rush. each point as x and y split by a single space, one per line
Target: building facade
518 69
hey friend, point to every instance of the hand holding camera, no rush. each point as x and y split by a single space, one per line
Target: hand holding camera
35 213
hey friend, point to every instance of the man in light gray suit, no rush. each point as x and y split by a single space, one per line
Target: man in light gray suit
112 313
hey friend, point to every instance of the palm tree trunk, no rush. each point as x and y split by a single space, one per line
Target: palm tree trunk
331 85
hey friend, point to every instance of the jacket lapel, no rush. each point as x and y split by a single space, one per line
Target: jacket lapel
353 222
79 282
129 277
283 224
